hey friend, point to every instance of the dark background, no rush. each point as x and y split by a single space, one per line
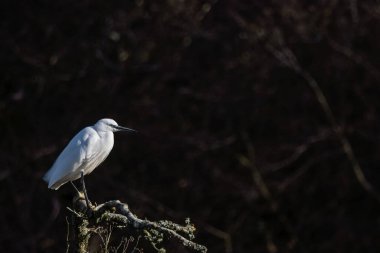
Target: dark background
223 93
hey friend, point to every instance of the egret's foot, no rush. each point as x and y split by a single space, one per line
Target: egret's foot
88 202
89 206
81 206
90 210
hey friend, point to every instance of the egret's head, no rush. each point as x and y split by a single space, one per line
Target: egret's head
110 125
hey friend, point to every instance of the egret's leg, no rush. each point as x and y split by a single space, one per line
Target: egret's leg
76 189
84 190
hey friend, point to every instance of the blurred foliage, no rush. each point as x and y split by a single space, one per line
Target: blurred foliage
194 77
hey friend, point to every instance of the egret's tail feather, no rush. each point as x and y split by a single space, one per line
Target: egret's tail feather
55 186
51 184
47 176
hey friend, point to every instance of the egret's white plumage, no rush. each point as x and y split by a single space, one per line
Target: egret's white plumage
84 153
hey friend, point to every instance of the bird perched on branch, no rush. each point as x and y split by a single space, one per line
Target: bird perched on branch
83 154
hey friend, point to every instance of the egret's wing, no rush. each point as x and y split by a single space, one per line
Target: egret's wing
68 164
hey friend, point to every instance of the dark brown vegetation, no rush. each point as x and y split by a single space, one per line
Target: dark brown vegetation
235 132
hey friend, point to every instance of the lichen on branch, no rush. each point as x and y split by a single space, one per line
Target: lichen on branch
104 217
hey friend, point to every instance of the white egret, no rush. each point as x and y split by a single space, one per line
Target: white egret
83 154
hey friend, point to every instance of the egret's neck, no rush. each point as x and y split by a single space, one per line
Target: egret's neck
106 137
105 134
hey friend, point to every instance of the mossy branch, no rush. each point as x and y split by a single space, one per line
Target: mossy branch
118 214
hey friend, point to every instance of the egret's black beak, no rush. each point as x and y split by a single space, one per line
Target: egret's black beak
120 128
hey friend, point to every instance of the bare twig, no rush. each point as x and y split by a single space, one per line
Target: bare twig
287 57
249 162
299 151
356 58
223 235
306 166
354 11
68 236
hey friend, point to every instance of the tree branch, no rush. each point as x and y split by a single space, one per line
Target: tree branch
118 214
